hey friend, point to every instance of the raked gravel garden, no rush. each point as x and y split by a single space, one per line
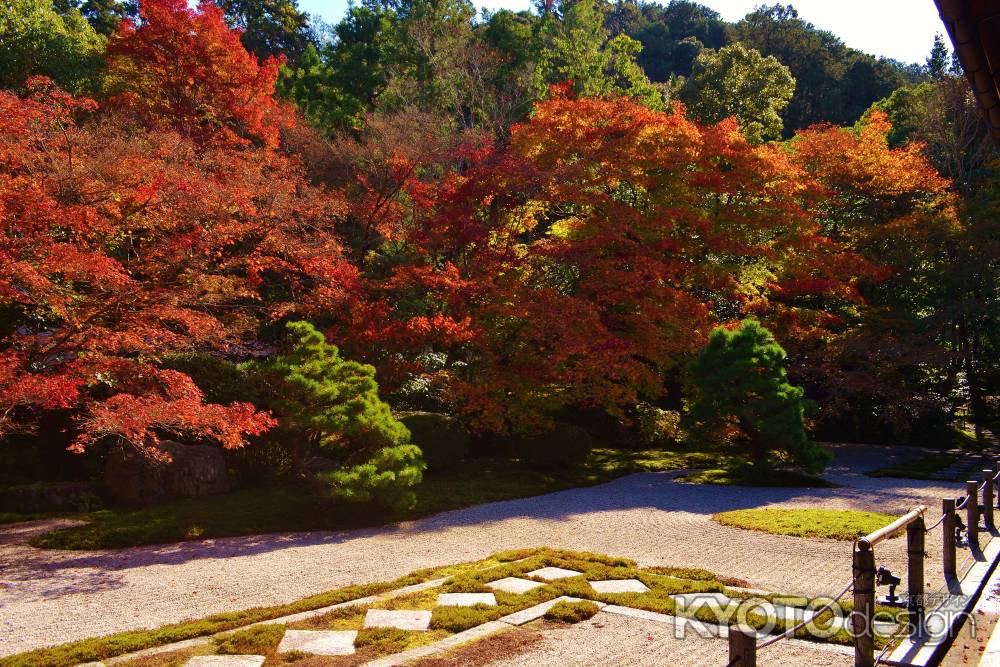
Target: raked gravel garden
646 522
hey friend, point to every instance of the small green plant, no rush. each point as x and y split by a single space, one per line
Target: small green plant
572 612
294 656
256 640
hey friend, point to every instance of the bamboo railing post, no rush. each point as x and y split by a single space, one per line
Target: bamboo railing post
988 498
972 513
948 537
742 646
915 574
864 605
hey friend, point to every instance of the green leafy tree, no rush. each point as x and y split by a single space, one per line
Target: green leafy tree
37 39
739 392
739 81
672 35
820 62
576 48
330 405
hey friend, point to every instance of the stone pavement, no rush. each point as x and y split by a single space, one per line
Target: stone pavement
49 597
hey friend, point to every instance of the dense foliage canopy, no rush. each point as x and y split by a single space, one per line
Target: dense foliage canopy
508 218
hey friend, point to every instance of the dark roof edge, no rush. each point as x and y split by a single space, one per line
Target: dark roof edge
976 36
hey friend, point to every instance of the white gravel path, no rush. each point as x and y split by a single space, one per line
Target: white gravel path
49 597
617 641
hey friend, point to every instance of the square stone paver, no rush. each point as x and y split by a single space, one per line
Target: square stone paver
553 573
225 661
514 585
466 599
619 586
404 619
319 642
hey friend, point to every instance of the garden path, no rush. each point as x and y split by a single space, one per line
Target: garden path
49 597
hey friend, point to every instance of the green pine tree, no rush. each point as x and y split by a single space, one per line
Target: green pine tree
739 393
938 61
330 405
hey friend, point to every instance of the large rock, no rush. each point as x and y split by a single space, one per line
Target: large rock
194 471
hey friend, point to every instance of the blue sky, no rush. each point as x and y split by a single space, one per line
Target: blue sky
901 29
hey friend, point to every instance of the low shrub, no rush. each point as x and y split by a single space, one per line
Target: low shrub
657 427
565 443
571 612
256 640
443 439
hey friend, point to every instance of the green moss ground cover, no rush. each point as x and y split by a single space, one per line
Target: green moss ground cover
571 612
776 478
925 467
833 524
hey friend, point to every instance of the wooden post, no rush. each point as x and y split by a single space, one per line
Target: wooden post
972 513
864 605
915 574
742 646
988 498
948 537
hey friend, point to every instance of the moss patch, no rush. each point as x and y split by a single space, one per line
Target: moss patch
258 640
383 641
926 467
571 612
833 524
776 478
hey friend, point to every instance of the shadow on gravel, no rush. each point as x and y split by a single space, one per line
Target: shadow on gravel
656 492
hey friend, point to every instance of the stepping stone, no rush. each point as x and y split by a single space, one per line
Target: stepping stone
513 585
553 573
225 661
466 599
619 586
319 642
403 619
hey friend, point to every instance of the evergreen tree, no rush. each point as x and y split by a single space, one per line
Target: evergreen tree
103 15
270 27
739 392
938 61
577 49
327 404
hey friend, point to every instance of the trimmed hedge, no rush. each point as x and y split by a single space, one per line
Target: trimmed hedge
443 439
